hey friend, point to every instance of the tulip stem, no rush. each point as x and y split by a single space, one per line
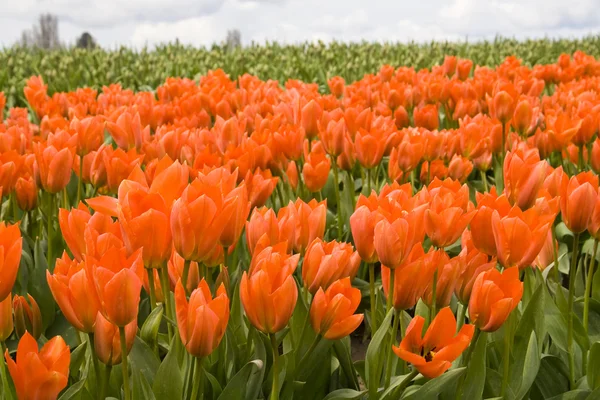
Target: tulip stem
50 228
572 273
80 180
390 352
368 181
390 296
5 384
336 183
405 382
588 288
555 255
306 355
500 184
124 355
372 298
165 287
14 206
275 386
90 337
105 382
484 180
151 293
581 161
184 276
432 309
198 386
462 311
506 357
402 330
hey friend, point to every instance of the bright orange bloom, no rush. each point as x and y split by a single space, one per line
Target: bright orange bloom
198 219
38 374
310 115
362 223
447 276
336 85
460 168
114 166
436 169
433 353
493 298
470 263
556 181
260 185
427 117
370 147
332 137
522 117
546 255
235 224
26 191
176 265
315 170
449 212
503 106
332 311
6 318
310 222
524 176
202 321
277 229
117 282
11 163
107 340
127 131
410 152
90 133
53 166
326 262
269 294
411 279
520 235
10 257
595 159
28 317
74 293
481 224
577 200
292 175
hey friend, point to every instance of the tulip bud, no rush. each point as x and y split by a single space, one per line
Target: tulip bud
107 340
332 311
28 317
504 106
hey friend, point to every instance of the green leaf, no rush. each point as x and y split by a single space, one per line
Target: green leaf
141 388
532 320
552 378
572 395
214 385
342 350
255 381
531 367
77 359
236 387
345 394
593 371
144 359
475 380
375 356
75 391
433 388
168 383
149 331
38 286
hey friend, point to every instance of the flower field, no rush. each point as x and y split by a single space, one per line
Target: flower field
407 234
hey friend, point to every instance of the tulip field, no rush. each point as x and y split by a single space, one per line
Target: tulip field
413 233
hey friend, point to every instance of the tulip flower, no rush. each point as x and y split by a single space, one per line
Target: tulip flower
73 291
362 223
39 374
493 298
107 341
460 168
332 137
332 311
316 169
434 353
577 201
447 276
427 117
263 221
6 318
268 294
524 176
202 320
310 222
28 317
260 185
113 166
234 226
127 130
309 117
503 106
546 255
26 192
53 166
481 224
370 147
10 257
326 262
469 263
90 133
176 266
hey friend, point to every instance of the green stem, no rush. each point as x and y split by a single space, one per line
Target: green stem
90 337
462 311
124 355
50 228
555 255
306 355
402 330
581 161
275 386
500 183
433 308
14 206
484 180
336 183
405 383
5 385
166 290
506 356
184 276
105 382
372 298
588 288
469 352
572 274
390 296
80 180
198 386
151 285
390 352
65 199
368 181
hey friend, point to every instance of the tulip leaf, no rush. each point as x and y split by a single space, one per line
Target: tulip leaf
236 387
141 389
75 391
376 354
342 350
214 385
255 381
552 378
149 331
77 358
345 394
475 380
168 382
530 367
38 286
593 371
433 388
572 395
531 320
144 359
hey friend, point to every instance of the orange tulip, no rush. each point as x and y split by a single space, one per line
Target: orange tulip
411 279
277 229
595 159
107 340
481 224
434 353
370 147
332 311
202 321
546 255
522 117
336 85
524 176
39 374
362 223
469 263
113 166
26 191
493 298
410 153
292 175
577 200
28 317
269 293
74 293
447 276
176 265
503 106
6 318
316 169
310 222
460 168
520 235
90 133
427 117
53 166
117 282
127 130
332 137
10 257
326 262
309 116
234 226
260 185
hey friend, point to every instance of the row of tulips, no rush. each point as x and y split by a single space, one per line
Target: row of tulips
237 240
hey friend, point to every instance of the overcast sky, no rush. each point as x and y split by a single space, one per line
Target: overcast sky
203 22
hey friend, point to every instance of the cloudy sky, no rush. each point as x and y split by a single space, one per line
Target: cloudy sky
203 22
